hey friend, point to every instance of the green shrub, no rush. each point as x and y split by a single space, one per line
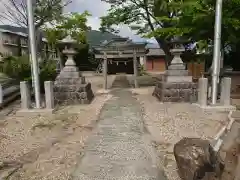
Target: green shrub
47 72
20 68
142 71
16 67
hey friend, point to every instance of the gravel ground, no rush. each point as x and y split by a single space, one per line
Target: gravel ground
46 147
169 122
49 147
119 148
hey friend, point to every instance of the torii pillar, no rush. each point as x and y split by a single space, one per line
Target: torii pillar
135 68
105 70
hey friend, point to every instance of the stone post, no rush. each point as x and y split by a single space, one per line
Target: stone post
105 70
49 95
145 62
1 94
225 91
135 68
25 95
59 58
202 91
83 80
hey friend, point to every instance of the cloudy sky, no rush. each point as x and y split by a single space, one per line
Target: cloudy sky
98 8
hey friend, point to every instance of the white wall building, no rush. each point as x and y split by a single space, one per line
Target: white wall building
16 44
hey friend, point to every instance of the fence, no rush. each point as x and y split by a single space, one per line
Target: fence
235 84
196 70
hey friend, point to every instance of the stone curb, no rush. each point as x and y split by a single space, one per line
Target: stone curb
223 132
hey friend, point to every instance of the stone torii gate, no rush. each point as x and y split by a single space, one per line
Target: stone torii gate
117 49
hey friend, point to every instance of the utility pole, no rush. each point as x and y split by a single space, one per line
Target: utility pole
216 52
33 53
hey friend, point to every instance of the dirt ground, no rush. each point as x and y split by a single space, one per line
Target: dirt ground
47 147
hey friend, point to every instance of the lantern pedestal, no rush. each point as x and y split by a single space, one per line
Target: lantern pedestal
70 87
176 85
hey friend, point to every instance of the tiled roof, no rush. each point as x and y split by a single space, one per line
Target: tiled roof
155 52
152 46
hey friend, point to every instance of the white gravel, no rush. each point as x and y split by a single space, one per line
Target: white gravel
48 146
169 122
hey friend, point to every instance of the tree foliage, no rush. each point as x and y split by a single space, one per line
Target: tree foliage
73 24
147 17
199 18
20 68
164 19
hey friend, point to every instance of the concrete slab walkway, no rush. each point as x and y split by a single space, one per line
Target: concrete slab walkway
119 148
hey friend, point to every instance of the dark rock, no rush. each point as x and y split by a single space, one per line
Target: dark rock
195 157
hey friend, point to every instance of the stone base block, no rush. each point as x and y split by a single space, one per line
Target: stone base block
177 67
73 92
176 92
179 78
70 74
176 72
35 112
70 69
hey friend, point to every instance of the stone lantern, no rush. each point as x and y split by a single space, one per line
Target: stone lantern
70 87
70 68
177 69
176 84
176 51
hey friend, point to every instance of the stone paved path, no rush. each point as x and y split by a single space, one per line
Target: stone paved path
119 149
121 81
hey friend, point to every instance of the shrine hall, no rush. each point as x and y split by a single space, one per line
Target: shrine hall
120 55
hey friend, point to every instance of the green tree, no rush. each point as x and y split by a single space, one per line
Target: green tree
199 19
73 24
163 20
15 11
149 18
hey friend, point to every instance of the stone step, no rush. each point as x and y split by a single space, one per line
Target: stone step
9 83
10 92
121 81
